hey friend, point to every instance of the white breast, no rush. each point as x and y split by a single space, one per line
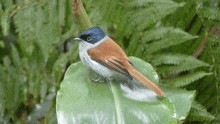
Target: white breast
86 59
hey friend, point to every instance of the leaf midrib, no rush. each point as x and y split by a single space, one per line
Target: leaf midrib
117 103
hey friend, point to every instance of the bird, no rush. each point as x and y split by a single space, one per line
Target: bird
104 56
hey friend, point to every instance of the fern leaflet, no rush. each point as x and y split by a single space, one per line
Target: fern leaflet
187 79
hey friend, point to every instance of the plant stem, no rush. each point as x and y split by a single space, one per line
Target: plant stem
81 15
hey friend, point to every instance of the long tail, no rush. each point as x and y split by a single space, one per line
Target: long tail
146 81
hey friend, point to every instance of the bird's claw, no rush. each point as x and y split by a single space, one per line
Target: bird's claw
97 80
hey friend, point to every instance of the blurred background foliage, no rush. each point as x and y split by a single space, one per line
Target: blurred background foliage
180 38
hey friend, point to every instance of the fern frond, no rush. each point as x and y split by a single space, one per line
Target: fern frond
186 63
146 16
189 12
199 113
41 25
156 34
63 59
61 11
167 59
3 76
207 88
16 59
210 13
165 70
7 64
187 79
135 37
196 26
172 59
144 2
202 1
172 38
192 46
211 102
5 23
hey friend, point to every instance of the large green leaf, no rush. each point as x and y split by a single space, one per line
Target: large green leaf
81 100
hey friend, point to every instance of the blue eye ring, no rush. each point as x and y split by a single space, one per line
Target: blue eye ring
89 38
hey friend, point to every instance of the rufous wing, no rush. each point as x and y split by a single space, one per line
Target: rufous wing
111 55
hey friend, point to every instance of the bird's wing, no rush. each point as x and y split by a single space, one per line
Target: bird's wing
112 56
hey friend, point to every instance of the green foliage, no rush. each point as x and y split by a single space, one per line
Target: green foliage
166 33
211 16
152 13
198 112
187 79
22 78
181 63
32 70
167 38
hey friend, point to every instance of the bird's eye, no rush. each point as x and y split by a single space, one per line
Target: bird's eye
89 38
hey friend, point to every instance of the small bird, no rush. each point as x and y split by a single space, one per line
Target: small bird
107 58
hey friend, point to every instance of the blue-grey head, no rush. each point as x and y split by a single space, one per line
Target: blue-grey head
91 35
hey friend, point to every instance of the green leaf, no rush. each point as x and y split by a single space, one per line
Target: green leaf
182 100
81 100
146 69
187 79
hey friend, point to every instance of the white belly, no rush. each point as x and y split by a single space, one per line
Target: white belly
86 60
98 68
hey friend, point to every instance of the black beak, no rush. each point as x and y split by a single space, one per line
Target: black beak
77 39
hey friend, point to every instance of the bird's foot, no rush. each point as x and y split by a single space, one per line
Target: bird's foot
108 79
97 80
